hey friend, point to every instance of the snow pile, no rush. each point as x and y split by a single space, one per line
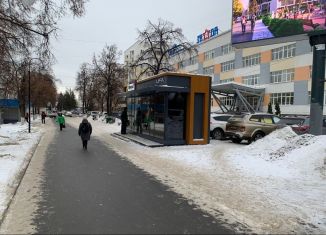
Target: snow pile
15 145
283 154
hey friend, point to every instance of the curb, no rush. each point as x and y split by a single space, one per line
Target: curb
19 179
126 139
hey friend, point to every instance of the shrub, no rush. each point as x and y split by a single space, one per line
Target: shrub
274 24
288 27
266 20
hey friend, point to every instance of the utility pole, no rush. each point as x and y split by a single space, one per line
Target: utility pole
317 40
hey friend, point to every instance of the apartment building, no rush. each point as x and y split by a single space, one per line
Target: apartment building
283 70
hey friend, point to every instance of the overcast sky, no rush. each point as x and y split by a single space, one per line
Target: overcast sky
116 22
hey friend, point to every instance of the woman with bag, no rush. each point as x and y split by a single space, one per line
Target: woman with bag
61 121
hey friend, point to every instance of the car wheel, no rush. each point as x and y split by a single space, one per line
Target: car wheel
236 140
259 135
218 134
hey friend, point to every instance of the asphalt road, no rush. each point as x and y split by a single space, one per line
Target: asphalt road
97 191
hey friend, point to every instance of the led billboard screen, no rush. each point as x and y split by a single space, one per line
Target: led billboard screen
255 20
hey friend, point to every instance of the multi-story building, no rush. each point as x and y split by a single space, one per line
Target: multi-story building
130 56
283 70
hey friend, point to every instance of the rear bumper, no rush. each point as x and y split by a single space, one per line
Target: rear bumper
237 135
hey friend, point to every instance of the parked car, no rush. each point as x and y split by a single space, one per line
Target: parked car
68 114
52 114
302 126
95 114
218 124
251 127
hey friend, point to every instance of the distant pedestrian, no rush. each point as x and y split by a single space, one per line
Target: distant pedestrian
139 121
61 121
243 23
124 121
85 131
253 22
43 115
26 117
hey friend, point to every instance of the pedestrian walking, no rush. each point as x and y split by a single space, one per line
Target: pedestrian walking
43 115
26 117
253 22
139 121
243 23
61 121
85 131
124 121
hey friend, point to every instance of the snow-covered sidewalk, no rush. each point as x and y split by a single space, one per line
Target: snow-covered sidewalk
16 148
276 185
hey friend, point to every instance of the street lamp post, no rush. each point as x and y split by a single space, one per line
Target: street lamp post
29 91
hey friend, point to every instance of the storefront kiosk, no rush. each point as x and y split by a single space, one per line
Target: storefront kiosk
171 108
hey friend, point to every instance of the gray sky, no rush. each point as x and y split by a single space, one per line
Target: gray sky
116 22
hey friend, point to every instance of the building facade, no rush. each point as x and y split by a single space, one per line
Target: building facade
284 70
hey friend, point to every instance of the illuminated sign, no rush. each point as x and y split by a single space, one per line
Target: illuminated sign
258 20
207 35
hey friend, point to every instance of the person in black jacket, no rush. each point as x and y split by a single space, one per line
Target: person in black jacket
124 121
85 131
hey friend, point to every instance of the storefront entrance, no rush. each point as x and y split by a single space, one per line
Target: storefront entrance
159 116
162 109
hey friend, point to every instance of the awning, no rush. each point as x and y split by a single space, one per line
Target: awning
240 94
230 88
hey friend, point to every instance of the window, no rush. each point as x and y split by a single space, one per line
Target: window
226 49
210 54
276 119
226 80
267 120
255 118
222 118
227 66
283 52
209 70
181 65
251 80
286 75
227 100
251 60
282 98
252 100
193 60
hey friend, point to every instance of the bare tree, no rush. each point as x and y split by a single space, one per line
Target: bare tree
25 25
84 84
43 90
160 42
110 72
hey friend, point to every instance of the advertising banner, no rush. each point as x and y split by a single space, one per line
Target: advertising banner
255 20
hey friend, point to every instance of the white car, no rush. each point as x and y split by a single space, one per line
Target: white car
218 125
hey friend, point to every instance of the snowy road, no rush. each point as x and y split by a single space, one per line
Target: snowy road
68 190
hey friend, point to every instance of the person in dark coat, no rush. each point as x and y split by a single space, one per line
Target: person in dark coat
139 121
85 131
26 117
124 121
43 115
